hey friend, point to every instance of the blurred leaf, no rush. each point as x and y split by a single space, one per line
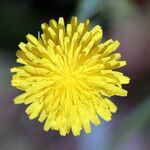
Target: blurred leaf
121 8
115 8
137 120
88 8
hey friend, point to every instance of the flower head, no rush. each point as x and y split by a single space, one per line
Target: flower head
68 76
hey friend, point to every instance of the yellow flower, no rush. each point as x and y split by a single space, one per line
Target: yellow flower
68 75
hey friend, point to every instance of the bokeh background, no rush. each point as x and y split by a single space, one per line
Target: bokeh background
125 20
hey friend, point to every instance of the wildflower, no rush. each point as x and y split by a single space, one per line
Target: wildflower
68 76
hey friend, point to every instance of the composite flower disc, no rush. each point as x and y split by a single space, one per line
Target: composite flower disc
67 75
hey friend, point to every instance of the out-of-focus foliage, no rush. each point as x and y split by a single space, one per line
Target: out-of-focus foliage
137 119
88 8
118 8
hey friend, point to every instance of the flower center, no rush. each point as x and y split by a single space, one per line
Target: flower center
69 76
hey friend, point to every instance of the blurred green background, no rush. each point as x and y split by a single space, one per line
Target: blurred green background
125 20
